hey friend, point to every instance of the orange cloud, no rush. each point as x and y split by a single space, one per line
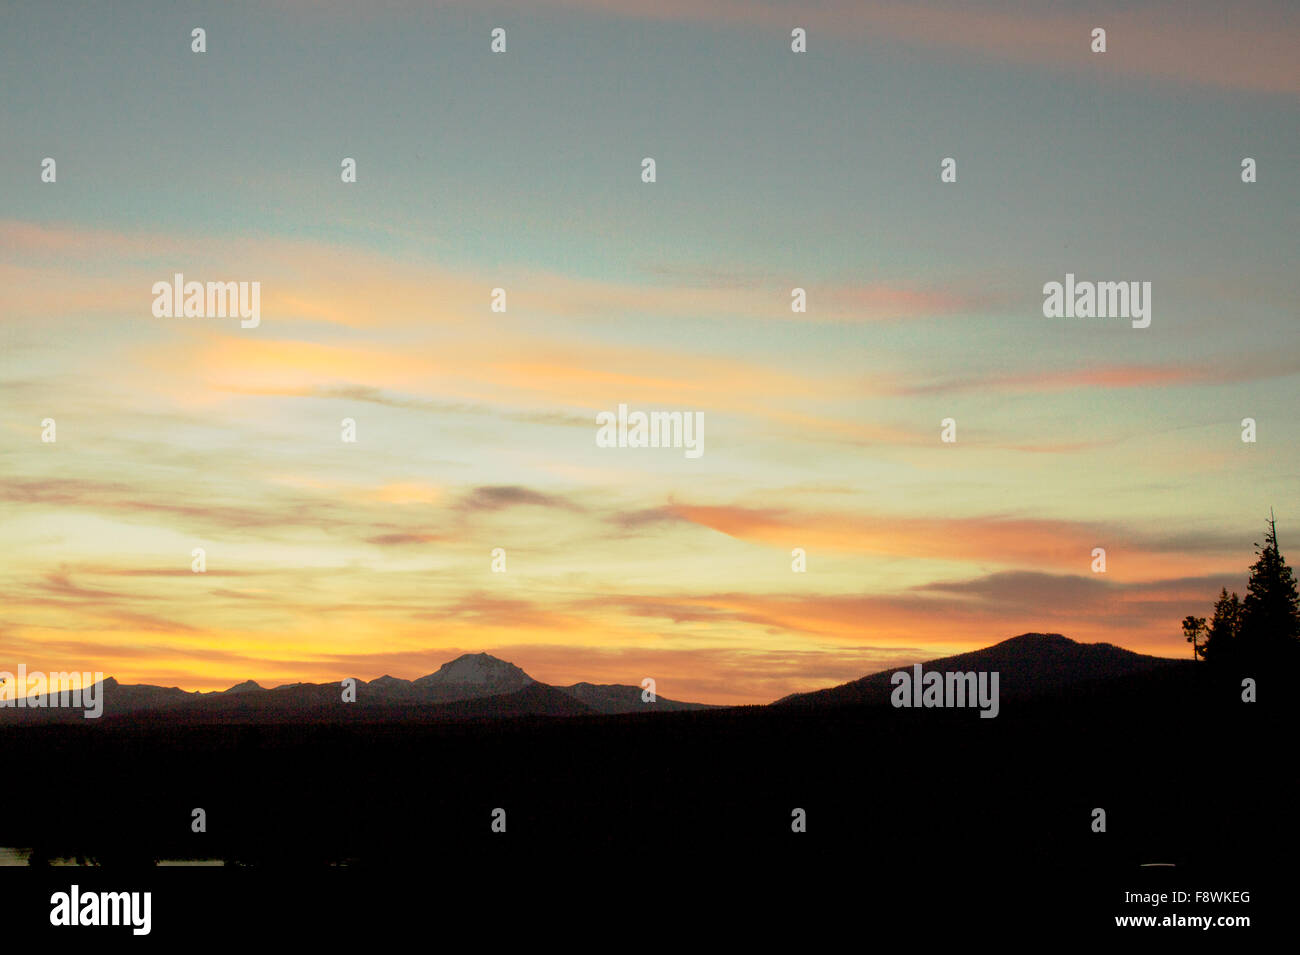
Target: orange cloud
981 540
1224 370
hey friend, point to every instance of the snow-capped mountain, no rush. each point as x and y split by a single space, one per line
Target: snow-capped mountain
471 675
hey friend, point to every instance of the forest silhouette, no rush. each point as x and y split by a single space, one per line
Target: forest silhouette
1261 630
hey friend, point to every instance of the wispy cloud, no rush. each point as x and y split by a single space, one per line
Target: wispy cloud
1193 43
989 540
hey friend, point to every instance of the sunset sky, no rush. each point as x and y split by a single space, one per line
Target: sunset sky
476 430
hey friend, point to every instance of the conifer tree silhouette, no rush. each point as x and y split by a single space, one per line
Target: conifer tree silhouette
1193 628
1264 627
1270 612
1225 626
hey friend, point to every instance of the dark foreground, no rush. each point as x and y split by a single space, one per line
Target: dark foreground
934 819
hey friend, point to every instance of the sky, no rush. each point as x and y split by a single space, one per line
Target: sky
476 429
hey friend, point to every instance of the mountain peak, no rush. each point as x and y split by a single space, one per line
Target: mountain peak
1038 639
1028 663
246 687
479 670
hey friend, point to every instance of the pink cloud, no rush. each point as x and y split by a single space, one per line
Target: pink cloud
1248 46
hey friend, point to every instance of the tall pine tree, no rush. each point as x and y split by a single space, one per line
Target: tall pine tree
1225 626
1270 612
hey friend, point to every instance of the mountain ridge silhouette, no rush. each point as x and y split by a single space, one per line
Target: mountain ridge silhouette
482 686
472 686
1029 664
